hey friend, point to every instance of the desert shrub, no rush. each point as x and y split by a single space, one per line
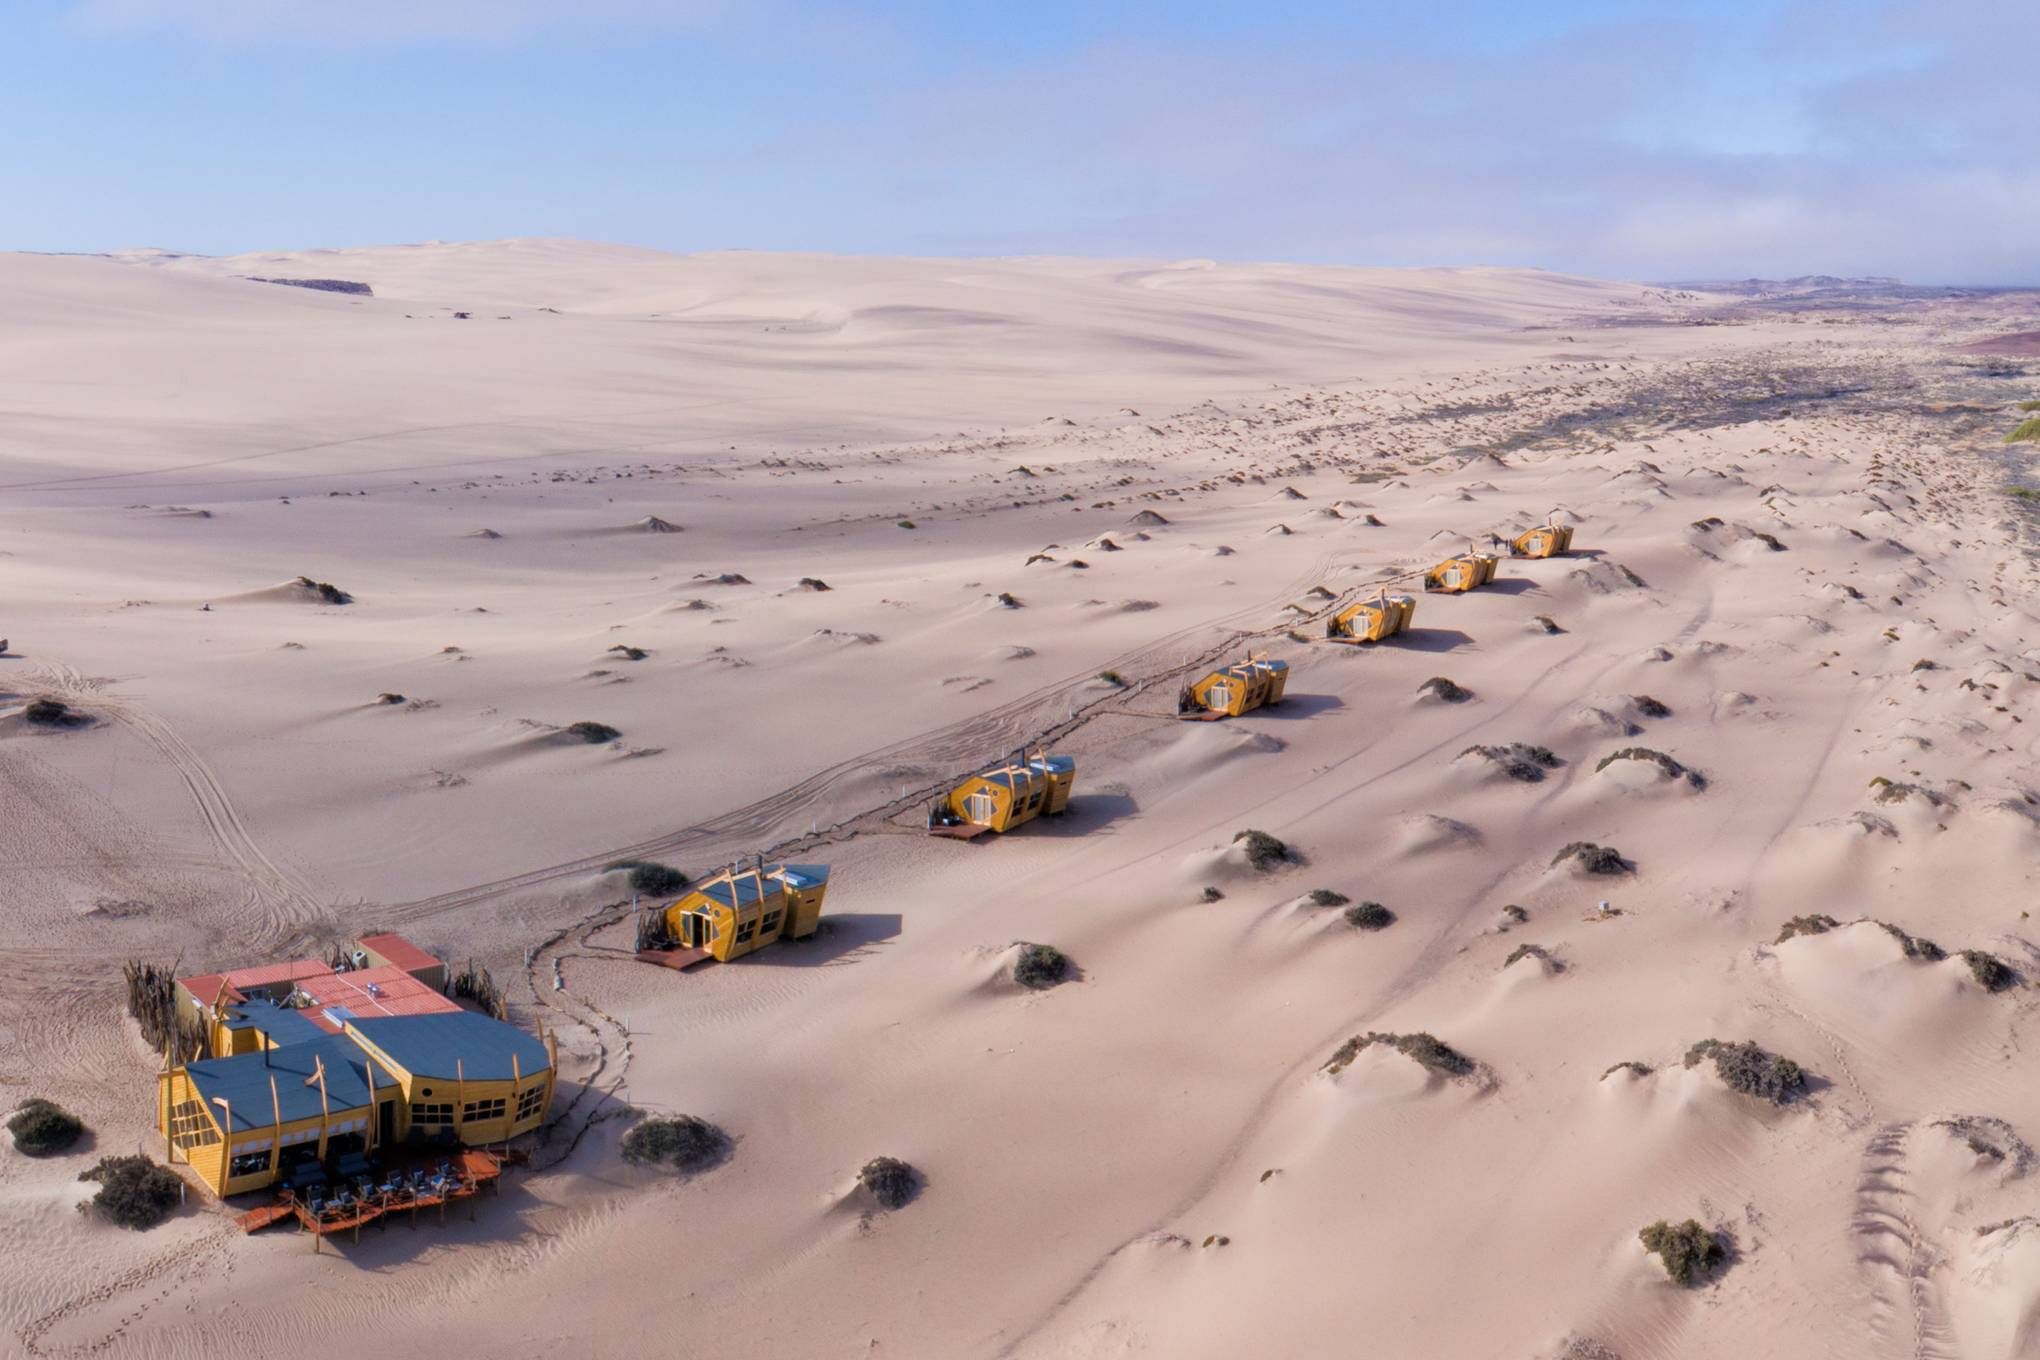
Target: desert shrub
1806 925
650 877
1325 897
1547 623
133 1191
325 590
682 1142
1514 914
1689 1251
1264 852
1990 972
630 653
1445 690
389 697
1113 678
41 1127
1369 916
594 733
1425 1049
1752 1070
814 583
1914 946
889 1180
2026 430
47 712
1039 966
1594 859
1518 759
1642 1069
906 524
1009 600
1212 894
1533 951
1649 707
1672 768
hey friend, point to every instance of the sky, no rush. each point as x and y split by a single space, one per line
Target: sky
1648 139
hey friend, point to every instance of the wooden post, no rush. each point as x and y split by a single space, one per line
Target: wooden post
368 1134
459 1098
227 1153
318 1078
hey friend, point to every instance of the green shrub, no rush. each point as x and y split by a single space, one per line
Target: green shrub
1369 916
133 1191
1604 860
1325 897
48 712
594 733
649 877
2027 431
1689 1251
1264 852
1518 759
1914 946
890 1181
41 1127
1672 769
1751 1070
683 1142
1445 690
1040 966
906 524
1113 678
1806 925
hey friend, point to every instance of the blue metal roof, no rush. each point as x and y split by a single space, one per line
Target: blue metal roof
243 1081
281 1024
804 875
432 1045
1060 764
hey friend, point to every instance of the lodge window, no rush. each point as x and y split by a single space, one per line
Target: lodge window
482 1109
529 1102
431 1114
248 1164
189 1128
766 926
746 931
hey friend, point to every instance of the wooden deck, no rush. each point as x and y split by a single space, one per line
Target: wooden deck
962 831
473 1169
672 958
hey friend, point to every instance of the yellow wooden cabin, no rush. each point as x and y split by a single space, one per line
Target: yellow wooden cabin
1006 796
312 1108
1372 620
1234 690
1546 540
1459 574
747 907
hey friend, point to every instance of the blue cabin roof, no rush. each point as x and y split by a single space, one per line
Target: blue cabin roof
282 1024
804 875
454 1044
243 1081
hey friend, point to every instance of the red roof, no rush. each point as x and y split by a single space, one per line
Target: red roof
369 992
400 952
208 987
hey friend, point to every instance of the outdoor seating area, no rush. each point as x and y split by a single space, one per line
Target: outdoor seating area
355 1193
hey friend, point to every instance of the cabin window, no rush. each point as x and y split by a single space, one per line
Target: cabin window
746 931
434 1114
189 1128
528 1103
771 921
248 1164
482 1109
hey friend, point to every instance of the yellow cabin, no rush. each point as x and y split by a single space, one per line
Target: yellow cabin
1235 690
311 1107
1003 798
1457 574
747 907
1547 540
1372 620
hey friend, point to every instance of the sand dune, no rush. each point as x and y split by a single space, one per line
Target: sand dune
1785 675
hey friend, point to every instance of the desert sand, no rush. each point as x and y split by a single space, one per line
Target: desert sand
1800 602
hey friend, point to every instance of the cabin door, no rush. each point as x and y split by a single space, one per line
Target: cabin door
1217 698
981 808
386 1125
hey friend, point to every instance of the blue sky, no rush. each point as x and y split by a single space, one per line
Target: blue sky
1649 139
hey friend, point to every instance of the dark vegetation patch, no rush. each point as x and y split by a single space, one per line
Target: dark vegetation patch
890 1181
1893 791
650 877
1369 916
43 1127
1992 1139
1816 924
1445 689
1425 1049
1212 894
814 583
1534 951
1547 624
321 285
53 713
327 592
1641 1069
1915 947
1263 851
630 653
1603 860
133 1191
1752 1070
1009 600
1672 769
1991 972
684 1142
390 698
1113 678
1325 897
1690 1251
1518 759
594 733
1649 707
1040 966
